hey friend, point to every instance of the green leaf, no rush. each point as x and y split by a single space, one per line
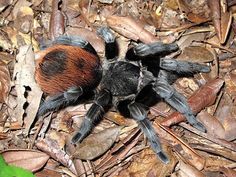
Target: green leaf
12 171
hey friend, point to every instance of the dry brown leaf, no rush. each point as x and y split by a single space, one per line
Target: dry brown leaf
147 164
181 147
228 172
193 12
96 144
29 159
130 28
221 19
17 7
189 170
4 4
24 20
51 148
89 36
212 124
28 92
5 80
18 39
57 20
196 54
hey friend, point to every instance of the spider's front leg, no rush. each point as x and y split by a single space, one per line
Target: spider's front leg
177 101
95 112
139 113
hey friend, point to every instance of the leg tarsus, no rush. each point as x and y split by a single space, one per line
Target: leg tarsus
139 113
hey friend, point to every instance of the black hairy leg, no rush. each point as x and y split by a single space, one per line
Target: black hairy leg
183 67
139 113
177 101
60 100
94 114
111 48
71 41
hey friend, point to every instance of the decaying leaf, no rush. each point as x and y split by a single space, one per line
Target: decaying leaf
51 148
29 159
89 36
196 54
28 92
189 171
18 39
96 144
24 19
196 13
57 20
130 28
147 164
4 82
221 19
202 98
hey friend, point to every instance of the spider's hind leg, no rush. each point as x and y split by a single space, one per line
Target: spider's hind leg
111 48
177 101
139 113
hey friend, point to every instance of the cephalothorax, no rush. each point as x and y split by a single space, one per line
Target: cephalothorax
70 70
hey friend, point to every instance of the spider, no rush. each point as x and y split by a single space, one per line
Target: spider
69 70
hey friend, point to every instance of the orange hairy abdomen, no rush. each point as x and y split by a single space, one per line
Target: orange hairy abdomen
61 67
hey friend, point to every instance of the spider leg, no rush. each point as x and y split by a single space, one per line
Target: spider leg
144 51
183 67
71 41
111 48
60 100
177 101
95 112
139 113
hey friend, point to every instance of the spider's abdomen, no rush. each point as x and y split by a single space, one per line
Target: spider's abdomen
121 78
61 67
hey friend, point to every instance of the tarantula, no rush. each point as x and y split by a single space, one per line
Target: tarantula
69 71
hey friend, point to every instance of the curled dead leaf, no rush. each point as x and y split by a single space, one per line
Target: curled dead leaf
4 82
27 89
57 20
96 144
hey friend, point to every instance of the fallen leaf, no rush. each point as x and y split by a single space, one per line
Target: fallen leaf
228 172
188 153
130 28
196 54
57 20
28 92
25 158
5 80
189 170
96 144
